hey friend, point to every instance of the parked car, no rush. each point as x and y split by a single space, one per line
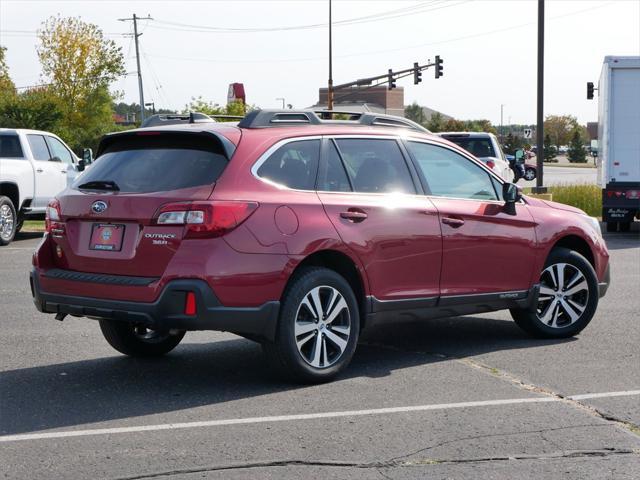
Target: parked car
530 169
484 146
34 167
298 232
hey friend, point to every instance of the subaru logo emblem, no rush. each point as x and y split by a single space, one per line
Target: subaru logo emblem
98 207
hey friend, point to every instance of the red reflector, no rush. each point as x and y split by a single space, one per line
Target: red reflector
491 163
190 304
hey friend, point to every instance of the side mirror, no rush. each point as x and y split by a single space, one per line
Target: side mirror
87 156
511 193
81 165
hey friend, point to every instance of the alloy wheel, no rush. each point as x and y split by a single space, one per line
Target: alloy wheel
322 326
529 174
6 222
564 293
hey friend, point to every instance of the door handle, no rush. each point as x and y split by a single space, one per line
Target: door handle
39 170
354 215
63 171
453 222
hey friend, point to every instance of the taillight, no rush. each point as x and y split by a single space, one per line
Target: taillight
491 164
205 219
52 219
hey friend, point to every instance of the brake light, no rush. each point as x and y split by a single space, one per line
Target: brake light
206 219
491 164
52 219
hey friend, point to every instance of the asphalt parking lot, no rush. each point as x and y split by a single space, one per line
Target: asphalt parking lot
471 397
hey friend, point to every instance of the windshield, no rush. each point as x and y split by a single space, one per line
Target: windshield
480 147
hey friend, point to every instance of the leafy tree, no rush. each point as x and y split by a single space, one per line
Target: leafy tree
560 128
7 88
35 109
236 108
479 126
549 150
512 143
416 113
576 153
80 64
453 125
436 123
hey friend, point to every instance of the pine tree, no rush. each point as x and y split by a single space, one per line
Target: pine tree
549 150
576 153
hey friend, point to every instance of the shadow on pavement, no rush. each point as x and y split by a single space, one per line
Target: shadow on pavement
118 387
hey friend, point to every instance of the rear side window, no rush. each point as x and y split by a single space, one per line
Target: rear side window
375 166
333 177
39 148
10 147
479 147
293 165
158 163
449 174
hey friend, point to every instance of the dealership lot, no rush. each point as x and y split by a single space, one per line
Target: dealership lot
470 397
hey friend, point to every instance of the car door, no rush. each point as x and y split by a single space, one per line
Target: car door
485 248
371 198
50 175
61 151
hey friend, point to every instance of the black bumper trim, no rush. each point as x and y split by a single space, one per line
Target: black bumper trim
59 274
168 311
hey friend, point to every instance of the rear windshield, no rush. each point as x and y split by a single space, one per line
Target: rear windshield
480 147
158 163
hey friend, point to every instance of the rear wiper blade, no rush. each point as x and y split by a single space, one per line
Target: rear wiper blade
100 185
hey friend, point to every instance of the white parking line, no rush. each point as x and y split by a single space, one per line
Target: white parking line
301 417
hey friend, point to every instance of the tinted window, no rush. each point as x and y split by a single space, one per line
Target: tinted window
38 147
479 147
449 174
59 150
333 178
375 166
293 165
160 163
10 147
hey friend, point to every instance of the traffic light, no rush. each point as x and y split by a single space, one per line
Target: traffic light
439 63
417 73
391 79
590 90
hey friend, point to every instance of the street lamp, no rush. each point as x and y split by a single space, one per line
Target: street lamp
501 129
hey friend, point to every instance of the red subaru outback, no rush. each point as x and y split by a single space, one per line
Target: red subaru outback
297 232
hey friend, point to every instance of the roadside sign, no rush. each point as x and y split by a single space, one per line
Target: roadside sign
527 133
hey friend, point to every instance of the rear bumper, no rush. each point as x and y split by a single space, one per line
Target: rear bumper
167 312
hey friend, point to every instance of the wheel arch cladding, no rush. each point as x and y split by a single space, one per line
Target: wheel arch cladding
343 265
577 244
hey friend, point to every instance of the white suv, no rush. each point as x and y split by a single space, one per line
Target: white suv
485 147
34 167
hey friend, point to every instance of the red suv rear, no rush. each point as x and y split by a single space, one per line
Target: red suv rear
298 232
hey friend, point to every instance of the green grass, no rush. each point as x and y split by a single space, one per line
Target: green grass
585 197
33 226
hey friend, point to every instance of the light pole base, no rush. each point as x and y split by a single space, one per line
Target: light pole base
538 190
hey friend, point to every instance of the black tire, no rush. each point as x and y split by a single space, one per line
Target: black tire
19 225
123 337
587 299
625 226
294 363
612 226
8 221
529 174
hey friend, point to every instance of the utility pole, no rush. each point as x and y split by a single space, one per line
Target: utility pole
330 89
540 117
501 129
135 19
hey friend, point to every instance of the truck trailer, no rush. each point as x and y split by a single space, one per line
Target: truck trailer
619 141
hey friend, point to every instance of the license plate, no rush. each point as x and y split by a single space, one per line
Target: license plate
106 237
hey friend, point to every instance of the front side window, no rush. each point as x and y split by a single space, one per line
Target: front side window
375 166
293 165
10 147
59 150
39 148
449 174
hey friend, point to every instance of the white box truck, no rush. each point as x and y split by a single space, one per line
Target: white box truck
619 141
